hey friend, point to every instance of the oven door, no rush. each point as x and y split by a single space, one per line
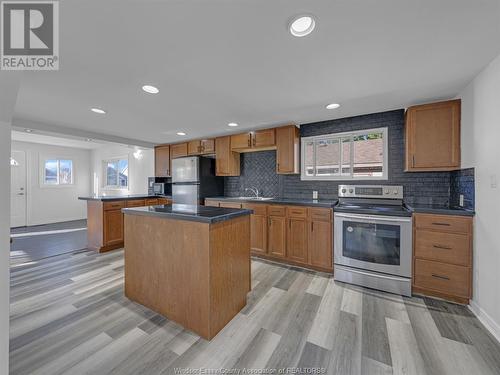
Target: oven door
374 242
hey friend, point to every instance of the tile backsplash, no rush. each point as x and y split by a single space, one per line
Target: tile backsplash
462 183
258 169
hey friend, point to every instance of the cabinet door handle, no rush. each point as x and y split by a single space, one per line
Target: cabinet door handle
442 224
413 160
289 223
254 141
249 141
441 247
440 277
269 221
312 226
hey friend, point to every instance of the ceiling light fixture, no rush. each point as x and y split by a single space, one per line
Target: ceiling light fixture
333 106
98 110
232 124
88 139
28 130
302 25
150 89
181 133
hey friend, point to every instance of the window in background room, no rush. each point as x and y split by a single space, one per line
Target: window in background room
359 155
58 172
116 173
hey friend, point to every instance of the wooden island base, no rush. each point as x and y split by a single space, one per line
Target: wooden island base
196 274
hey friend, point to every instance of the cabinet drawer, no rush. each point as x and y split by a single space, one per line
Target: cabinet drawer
164 201
444 278
444 247
258 209
230 205
295 211
113 205
136 203
443 223
151 202
276 210
322 214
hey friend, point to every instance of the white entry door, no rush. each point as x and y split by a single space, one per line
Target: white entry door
18 189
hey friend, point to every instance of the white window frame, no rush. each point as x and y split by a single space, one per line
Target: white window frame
339 137
104 163
43 161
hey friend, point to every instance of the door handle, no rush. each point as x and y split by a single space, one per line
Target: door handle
20 193
441 247
440 277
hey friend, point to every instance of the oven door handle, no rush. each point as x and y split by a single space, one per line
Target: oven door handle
376 218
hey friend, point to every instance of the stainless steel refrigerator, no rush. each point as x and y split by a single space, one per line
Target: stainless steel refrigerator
194 179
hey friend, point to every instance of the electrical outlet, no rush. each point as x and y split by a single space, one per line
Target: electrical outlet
315 194
461 200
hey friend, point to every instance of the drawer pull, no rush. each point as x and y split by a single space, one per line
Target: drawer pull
440 277
442 224
442 247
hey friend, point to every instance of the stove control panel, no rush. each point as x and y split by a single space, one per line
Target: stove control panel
371 191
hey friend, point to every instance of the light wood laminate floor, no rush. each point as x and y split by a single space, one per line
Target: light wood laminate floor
69 316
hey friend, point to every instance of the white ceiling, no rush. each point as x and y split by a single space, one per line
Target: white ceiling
22 136
234 61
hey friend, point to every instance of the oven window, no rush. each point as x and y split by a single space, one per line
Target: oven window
374 243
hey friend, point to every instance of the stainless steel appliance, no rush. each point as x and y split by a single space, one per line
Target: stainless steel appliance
373 238
159 186
194 179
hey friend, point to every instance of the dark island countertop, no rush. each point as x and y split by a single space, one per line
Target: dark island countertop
108 198
439 209
291 201
202 214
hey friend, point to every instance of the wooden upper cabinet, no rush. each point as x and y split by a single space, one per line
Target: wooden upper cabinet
287 150
264 138
162 161
178 150
241 141
194 147
207 146
227 162
201 147
433 137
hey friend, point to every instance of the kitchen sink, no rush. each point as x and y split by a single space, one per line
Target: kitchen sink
254 198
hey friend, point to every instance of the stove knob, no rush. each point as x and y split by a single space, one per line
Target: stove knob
396 192
351 191
386 191
344 191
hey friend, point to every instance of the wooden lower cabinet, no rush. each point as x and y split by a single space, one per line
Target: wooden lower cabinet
113 227
297 240
277 236
320 244
297 235
442 256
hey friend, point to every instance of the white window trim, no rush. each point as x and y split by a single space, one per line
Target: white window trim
43 159
385 165
104 176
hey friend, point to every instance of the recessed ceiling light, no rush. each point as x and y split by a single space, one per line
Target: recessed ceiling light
98 110
150 89
28 130
302 26
333 106
181 133
88 139
232 124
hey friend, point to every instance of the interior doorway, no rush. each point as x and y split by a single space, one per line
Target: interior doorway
18 189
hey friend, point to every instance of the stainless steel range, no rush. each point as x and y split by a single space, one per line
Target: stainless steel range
373 238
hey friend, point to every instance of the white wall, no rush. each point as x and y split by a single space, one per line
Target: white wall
139 169
4 244
56 203
480 135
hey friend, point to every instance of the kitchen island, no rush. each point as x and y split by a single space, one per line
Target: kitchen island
188 263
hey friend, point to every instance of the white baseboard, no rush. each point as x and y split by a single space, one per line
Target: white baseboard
56 220
484 318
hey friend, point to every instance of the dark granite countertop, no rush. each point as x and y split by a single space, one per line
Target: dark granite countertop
440 209
202 214
108 198
291 201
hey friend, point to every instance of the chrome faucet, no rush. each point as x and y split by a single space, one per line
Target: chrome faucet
253 190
